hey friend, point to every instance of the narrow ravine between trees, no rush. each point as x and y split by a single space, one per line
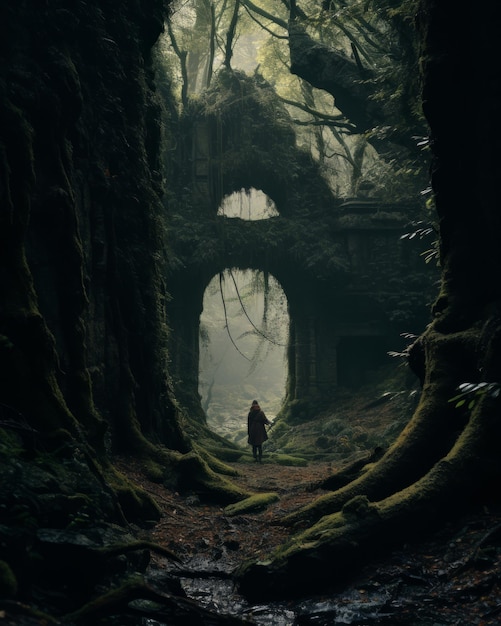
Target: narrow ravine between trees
118 506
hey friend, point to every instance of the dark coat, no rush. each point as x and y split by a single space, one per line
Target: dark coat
255 426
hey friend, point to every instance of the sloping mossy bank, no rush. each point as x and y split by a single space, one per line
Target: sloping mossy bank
318 558
67 508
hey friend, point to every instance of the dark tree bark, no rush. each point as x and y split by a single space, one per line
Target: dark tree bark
446 460
83 333
325 68
230 36
353 87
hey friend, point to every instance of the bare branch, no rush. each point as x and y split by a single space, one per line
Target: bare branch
314 112
265 14
182 55
226 318
247 315
342 125
261 25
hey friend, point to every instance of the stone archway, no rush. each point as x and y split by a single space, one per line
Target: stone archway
341 263
322 311
243 340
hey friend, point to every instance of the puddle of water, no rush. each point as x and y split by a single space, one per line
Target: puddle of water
353 609
221 596
365 607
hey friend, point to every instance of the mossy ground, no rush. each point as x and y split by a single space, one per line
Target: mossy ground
353 423
422 579
252 504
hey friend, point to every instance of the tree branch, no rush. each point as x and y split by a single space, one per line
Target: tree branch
314 112
247 315
226 318
230 35
265 14
182 55
261 25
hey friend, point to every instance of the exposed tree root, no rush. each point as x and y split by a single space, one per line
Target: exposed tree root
470 558
113 550
349 473
330 552
427 438
196 475
118 600
11 607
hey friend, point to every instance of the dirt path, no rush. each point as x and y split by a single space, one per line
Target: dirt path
453 578
191 528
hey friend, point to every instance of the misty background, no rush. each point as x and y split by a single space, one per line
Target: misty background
243 335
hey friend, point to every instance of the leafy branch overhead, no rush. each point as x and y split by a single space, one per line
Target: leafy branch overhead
342 71
471 393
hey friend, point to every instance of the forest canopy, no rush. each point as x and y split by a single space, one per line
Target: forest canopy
346 72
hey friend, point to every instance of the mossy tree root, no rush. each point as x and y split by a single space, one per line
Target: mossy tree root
117 602
426 439
195 475
330 551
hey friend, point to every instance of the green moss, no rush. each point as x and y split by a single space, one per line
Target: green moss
135 502
225 454
320 506
287 459
195 475
153 470
357 514
358 507
330 528
216 465
254 503
8 582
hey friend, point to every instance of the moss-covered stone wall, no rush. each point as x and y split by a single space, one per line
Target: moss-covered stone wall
346 272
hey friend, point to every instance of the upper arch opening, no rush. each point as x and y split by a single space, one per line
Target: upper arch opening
248 204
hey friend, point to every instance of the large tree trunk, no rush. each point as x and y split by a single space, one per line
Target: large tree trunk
447 459
83 333
80 145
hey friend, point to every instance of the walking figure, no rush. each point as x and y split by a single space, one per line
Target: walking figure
256 430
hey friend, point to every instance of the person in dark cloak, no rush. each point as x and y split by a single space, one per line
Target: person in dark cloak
256 421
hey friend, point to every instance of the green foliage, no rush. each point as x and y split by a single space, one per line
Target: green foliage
8 582
471 393
153 470
421 232
250 113
382 37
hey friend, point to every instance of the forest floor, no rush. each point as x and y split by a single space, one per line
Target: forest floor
453 577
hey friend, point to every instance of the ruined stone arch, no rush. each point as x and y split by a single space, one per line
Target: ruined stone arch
322 310
243 201
244 331
340 262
